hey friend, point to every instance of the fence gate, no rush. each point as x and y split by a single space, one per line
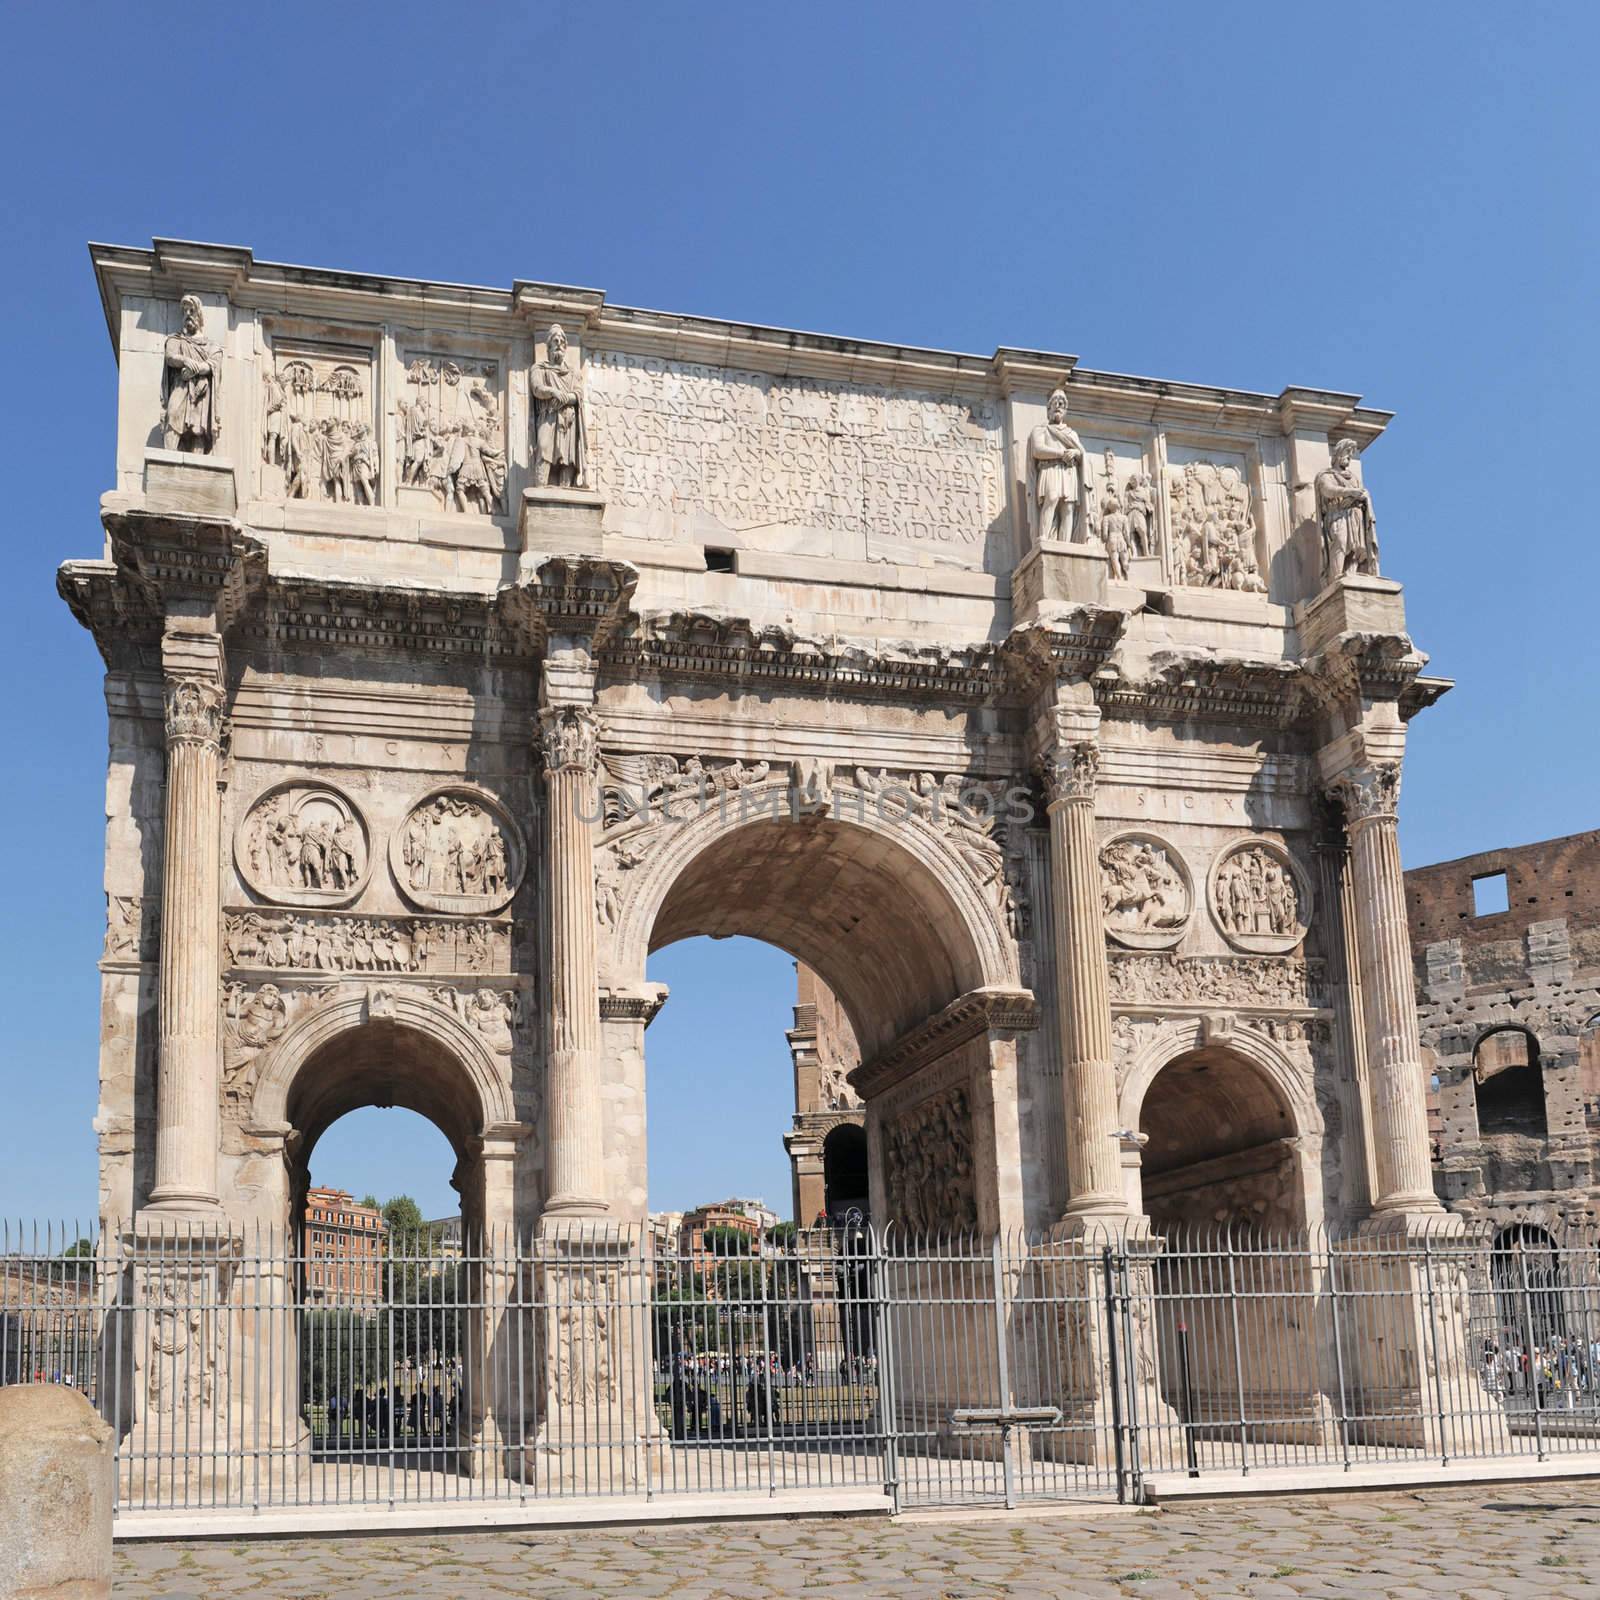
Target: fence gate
994 1352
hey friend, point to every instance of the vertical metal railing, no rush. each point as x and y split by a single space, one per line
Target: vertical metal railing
246 1373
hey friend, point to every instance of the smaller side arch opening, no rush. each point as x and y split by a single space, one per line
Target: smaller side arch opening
1218 1149
1526 1270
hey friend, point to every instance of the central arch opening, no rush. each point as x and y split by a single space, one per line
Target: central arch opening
764 1331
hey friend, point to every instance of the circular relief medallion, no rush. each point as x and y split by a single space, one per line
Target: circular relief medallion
458 850
1146 894
1260 898
304 843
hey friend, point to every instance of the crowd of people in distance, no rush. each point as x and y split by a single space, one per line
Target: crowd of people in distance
422 1405
717 1395
1563 1373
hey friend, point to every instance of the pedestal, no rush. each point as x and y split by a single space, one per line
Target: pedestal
1404 1299
561 521
1350 605
1104 1334
591 1293
1054 575
191 485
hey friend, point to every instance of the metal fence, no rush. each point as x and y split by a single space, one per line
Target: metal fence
589 1361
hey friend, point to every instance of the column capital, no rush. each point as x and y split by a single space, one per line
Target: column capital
1071 772
194 710
569 737
1369 793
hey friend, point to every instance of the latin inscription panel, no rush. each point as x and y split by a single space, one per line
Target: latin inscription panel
681 450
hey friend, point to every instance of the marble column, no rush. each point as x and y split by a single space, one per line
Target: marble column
187 1078
1403 1170
575 1160
1083 990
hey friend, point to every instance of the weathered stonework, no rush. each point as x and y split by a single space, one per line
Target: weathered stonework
521 634
1509 1006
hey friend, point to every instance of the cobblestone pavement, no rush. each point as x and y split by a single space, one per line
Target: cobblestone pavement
1485 1543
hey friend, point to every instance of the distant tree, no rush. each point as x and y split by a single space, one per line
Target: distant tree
370 1201
402 1216
783 1235
73 1252
723 1241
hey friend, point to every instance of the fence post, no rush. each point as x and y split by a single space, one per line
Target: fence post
1191 1454
1430 1305
1532 1352
1008 1464
1338 1354
1238 1358
883 1345
1114 1371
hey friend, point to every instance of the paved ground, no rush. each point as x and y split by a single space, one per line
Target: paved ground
1497 1543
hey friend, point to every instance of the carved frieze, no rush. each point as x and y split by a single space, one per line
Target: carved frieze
1213 528
677 789
865 469
492 1012
450 431
458 851
343 943
928 1164
1260 898
1147 896
132 923
318 436
304 843
255 1016
1280 982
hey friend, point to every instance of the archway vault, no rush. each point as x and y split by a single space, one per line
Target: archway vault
883 908
368 1045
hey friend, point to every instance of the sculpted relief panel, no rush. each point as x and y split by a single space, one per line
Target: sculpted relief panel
304 844
458 851
450 432
364 944
872 466
1146 895
928 1164
1260 898
1213 526
317 432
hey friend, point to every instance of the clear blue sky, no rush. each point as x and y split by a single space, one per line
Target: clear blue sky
1393 199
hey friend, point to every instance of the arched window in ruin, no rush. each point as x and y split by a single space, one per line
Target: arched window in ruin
1526 1270
1509 1084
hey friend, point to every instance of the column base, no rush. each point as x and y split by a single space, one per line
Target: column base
1416 1382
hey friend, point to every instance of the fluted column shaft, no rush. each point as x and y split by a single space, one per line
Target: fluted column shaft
1083 990
1388 1000
189 1065
575 1158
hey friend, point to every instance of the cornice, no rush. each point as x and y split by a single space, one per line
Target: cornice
1203 685
1355 667
977 1012
706 644
173 266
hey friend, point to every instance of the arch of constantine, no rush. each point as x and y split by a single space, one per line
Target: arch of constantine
463 645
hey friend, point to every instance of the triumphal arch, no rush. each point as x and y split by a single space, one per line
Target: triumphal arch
463 645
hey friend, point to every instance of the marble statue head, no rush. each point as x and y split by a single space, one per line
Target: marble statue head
1343 450
193 313
1055 408
557 342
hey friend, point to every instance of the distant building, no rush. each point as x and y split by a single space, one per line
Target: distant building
700 1253
665 1228
1507 949
444 1237
344 1249
828 1143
